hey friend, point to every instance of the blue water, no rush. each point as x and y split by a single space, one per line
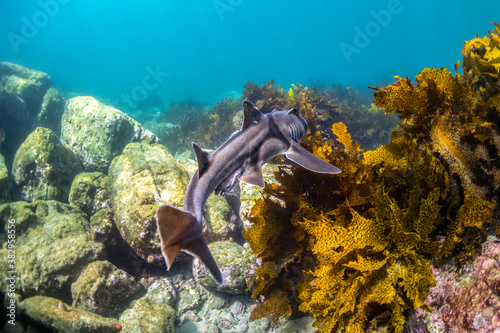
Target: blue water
204 50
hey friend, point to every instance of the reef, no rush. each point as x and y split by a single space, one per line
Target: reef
208 128
43 168
97 133
404 239
355 249
324 106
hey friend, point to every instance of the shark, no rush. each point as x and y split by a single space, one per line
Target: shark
261 138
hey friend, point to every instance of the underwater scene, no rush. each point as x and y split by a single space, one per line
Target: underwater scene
237 166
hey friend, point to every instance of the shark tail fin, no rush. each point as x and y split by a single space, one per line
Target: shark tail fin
179 230
198 248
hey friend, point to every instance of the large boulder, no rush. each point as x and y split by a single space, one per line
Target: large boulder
97 132
142 178
21 95
103 228
89 192
43 168
237 264
148 316
104 289
64 318
53 245
51 111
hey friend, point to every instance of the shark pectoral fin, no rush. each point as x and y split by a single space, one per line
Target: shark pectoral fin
306 159
252 174
173 226
198 248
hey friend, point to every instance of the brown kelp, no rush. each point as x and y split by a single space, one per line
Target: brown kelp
355 249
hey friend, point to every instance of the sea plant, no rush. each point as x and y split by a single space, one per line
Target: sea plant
355 249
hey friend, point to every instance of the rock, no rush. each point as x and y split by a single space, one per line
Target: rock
23 88
301 325
21 95
4 182
466 296
224 223
89 192
43 168
163 292
148 316
51 112
141 178
104 289
238 308
191 298
103 228
236 263
53 242
97 132
64 318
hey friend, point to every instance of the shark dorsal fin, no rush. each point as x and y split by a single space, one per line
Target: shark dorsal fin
202 157
253 175
251 115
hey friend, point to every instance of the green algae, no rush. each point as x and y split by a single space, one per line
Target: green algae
43 168
235 263
64 318
104 289
142 178
148 316
89 192
53 245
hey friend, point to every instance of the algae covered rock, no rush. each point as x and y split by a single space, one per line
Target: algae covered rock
64 318
43 168
236 263
141 178
53 245
97 132
102 227
51 111
4 182
21 94
104 289
148 316
89 192
162 291
22 91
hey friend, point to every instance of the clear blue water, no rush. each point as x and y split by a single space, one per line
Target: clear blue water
205 50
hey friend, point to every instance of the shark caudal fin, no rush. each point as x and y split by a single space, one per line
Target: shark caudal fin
179 230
